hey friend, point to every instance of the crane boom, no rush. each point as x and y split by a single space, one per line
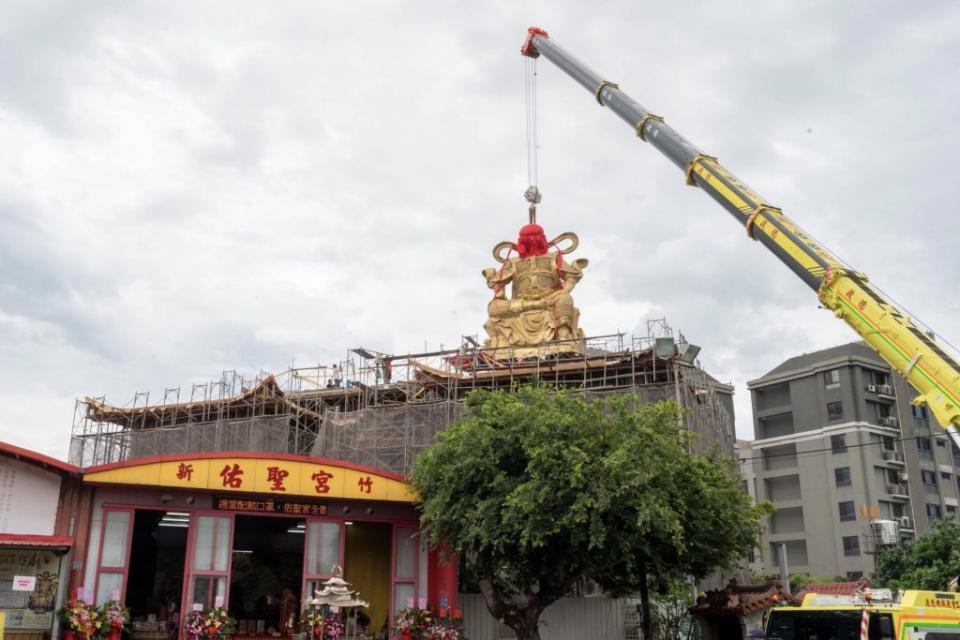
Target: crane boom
913 353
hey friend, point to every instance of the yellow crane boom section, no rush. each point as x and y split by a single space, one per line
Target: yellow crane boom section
914 354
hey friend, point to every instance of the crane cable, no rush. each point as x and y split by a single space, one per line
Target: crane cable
532 194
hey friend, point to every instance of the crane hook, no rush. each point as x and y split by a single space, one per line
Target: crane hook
533 196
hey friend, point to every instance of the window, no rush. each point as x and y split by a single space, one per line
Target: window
888 444
114 554
851 545
831 378
923 447
834 410
929 478
847 511
854 575
944 476
941 443
933 512
881 627
406 556
838 443
897 509
842 476
883 410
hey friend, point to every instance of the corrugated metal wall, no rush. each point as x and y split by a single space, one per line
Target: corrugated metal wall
566 619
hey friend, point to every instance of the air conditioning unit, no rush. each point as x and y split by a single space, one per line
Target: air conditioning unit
905 522
897 489
872 388
888 421
903 476
893 456
885 389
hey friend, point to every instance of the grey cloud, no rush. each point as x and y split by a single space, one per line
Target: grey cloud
197 189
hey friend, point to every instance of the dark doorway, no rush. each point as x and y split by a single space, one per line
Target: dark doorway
267 575
155 581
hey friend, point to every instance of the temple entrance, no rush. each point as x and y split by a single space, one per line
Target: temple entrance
266 574
158 549
367 569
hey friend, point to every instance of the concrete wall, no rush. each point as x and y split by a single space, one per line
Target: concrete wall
567 619
28 498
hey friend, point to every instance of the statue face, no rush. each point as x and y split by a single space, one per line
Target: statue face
532 241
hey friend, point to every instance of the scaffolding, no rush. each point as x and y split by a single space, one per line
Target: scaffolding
381 409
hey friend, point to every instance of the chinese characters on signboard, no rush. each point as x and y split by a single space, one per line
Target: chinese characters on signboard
270 506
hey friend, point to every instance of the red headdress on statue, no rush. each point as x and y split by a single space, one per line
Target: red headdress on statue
532 241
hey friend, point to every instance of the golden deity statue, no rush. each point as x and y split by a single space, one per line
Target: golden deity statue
539 317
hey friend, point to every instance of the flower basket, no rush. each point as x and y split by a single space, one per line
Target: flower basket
80 620
115 617
215 624
423 624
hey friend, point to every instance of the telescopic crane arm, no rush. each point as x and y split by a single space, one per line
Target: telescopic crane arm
907 348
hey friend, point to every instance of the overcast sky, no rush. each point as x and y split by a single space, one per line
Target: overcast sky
187 187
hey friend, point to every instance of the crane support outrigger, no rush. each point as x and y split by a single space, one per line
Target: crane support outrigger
906 347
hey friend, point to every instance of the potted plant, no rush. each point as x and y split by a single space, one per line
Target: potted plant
115 617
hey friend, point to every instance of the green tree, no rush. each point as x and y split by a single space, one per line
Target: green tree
670 612
536 489
929 562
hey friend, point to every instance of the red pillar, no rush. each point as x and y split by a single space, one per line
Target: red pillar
442 579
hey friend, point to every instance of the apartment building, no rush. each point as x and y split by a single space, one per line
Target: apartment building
838 445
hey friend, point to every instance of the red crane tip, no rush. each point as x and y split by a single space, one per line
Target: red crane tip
528 49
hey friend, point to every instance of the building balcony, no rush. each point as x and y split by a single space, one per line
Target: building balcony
893 457
886 391
898 491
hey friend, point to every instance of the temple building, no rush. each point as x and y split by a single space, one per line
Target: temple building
251 491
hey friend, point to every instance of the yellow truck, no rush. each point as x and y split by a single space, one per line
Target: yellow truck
876 615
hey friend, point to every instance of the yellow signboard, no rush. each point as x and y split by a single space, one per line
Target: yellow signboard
274 476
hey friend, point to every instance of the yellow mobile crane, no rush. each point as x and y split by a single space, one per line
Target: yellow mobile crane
908 349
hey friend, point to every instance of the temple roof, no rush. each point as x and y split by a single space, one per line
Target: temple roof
742 599
834 588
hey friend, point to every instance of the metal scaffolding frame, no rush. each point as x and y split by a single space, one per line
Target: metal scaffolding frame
381 409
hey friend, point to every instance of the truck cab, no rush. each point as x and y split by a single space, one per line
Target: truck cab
876 615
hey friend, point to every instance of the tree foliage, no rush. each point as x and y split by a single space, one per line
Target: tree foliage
929 562
537 489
